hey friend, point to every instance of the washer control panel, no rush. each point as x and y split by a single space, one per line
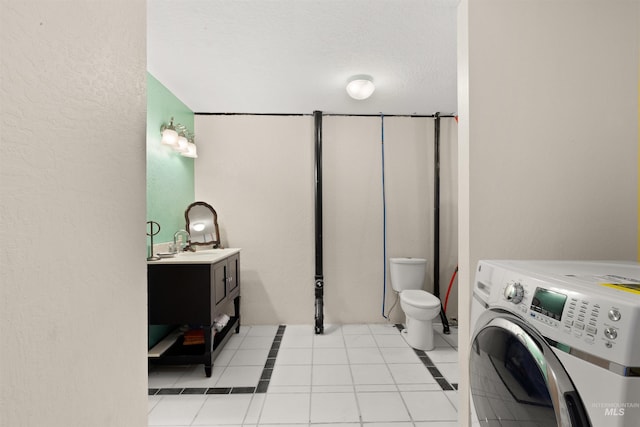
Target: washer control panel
577 315
582 320
591 318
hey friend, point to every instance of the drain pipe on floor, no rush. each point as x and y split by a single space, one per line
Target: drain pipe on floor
319 276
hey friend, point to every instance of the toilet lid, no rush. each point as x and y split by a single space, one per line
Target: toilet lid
420 298
408 260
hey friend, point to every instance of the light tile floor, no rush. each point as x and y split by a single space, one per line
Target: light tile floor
350 375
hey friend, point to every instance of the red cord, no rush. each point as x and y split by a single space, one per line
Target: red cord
446 298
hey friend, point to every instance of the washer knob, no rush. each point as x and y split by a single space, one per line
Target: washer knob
614 315
514 292
611 333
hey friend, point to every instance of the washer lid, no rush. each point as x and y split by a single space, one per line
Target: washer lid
420 298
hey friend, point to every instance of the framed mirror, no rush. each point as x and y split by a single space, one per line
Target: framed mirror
202 225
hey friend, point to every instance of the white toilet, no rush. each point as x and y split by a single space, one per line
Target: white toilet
419 306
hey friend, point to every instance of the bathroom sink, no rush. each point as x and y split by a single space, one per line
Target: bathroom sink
206 252
206 256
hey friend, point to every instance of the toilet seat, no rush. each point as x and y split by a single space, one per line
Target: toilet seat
419 298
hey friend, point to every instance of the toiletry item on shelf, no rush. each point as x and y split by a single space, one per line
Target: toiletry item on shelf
221 321
193 337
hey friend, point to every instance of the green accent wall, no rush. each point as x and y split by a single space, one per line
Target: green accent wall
170 176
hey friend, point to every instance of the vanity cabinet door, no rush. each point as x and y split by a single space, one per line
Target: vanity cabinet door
233 273
219 285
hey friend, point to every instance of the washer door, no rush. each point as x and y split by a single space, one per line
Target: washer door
516 377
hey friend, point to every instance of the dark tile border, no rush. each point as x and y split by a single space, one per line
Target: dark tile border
171 391
194 390
431 367
434 371
262 387
219 390
243 390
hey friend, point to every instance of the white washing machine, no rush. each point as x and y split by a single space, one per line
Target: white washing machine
556 343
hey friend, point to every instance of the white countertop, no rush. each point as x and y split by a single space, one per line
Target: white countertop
206 256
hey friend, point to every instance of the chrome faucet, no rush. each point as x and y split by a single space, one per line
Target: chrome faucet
185 243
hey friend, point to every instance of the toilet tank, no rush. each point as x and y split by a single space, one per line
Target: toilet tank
407 273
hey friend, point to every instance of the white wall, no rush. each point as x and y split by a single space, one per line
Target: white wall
72 244
354 215
548 125
257 171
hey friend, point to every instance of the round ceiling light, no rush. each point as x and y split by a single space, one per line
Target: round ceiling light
360 87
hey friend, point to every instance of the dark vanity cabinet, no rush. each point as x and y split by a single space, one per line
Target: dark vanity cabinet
192 290
226 279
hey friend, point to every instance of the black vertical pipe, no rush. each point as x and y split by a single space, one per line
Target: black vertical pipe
436 222
319 276
436 208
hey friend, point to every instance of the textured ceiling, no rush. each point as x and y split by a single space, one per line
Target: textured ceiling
295 56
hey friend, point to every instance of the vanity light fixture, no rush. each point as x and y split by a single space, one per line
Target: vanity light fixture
182 143
169 134
179 138
360 86
191 150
